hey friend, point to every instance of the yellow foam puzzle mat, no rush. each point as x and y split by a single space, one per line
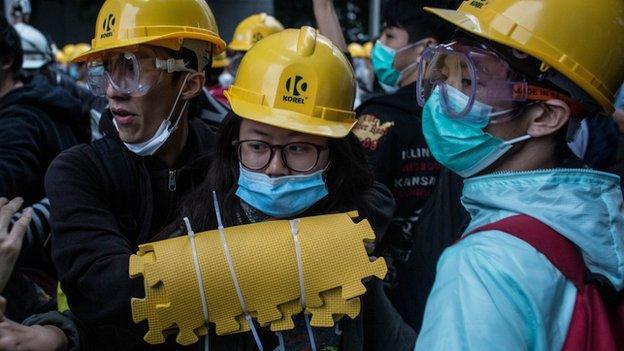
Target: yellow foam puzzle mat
278 264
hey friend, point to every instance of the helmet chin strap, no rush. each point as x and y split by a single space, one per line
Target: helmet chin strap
175 103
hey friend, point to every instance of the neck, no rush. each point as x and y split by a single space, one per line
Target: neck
618 116
8 84
409 77
171 151
531 155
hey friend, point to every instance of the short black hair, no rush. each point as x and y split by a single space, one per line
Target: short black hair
419 24
10 46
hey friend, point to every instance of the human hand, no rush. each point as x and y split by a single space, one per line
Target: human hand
2 308
618 116
17 337
328 24
11 241
322 2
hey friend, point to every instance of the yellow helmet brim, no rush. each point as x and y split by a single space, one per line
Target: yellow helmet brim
172 41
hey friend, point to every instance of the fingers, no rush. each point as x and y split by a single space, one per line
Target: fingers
2 307
7 211
19 228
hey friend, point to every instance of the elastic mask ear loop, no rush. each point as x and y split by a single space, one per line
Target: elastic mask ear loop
409 46
294 230
200 280
228 257
175 103
517 140
415 63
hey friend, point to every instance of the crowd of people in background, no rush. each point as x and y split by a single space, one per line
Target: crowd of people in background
483 140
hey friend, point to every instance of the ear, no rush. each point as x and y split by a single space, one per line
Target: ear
6 63
194 84
554 115
430 41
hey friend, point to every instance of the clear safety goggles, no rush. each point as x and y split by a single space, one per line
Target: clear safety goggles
466 75
128 72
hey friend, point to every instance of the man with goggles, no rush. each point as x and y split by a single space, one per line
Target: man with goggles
149 59
470 83
500 103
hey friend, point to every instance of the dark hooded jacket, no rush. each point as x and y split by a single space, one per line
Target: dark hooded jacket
37 122
390 130
93 238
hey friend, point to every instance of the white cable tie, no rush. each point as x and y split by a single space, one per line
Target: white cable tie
294 230
228 258
310 334
280 339
254 332
337 329
200 280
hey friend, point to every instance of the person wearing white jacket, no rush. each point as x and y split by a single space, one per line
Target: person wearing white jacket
500 102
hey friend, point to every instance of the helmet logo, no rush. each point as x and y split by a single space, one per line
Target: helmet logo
295 86
478 3
257 37
107 26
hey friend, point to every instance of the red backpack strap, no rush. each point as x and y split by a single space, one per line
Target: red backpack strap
560 251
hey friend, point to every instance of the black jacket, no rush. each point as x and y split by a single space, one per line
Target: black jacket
390 130
57 77
37 122
91 243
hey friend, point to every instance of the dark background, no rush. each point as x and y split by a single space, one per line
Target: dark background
72 21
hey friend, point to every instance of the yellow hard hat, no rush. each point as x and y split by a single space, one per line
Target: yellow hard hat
60 57
122 23
220 61
252 29
582 40
68 49
79 49
297 80
356 50
368 47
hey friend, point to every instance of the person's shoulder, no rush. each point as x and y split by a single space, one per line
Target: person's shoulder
18 113
77 159
498 255
380 106
205 134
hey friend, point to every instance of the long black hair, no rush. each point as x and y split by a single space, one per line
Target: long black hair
347 177
10 47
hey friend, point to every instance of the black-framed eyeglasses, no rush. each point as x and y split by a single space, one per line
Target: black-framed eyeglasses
298 156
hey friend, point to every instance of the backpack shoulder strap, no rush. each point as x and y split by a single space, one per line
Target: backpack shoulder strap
122 173
560 251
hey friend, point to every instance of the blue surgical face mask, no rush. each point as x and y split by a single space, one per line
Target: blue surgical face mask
280 197
461 144
382 59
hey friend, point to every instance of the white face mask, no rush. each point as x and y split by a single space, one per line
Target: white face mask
226 79
150 146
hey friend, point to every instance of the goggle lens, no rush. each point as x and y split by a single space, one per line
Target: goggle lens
478 74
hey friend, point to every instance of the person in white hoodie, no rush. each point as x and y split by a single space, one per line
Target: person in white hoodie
499 104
